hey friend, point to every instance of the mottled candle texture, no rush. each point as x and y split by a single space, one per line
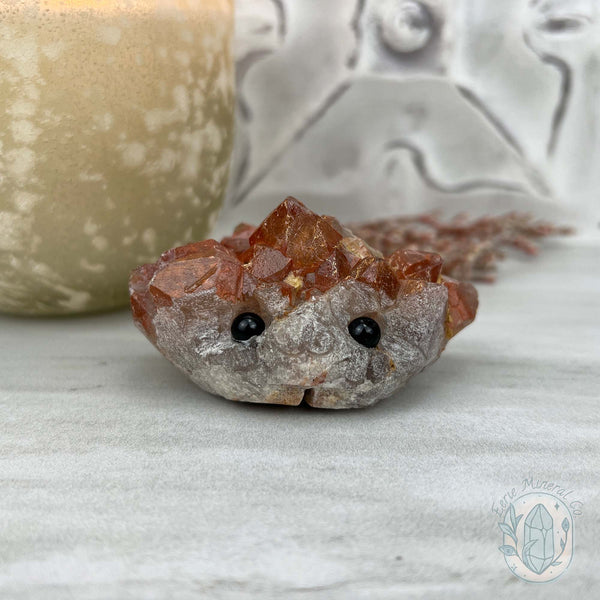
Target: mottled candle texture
299 308
115 136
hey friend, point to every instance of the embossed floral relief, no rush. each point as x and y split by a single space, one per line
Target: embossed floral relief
394 106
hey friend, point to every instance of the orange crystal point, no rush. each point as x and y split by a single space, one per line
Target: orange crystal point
311 241
462 305
205 248
198 265
269 264
142 306
299 233
181 271
413 264
376 273
239 241
274 230
332 270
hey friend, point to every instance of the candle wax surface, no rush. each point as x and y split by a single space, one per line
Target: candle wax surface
115 136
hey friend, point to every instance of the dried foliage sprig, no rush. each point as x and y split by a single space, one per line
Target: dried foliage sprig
471 248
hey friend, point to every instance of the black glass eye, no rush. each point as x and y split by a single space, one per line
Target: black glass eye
365 331
246 325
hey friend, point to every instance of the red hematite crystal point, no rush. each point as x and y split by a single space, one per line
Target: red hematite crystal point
302 280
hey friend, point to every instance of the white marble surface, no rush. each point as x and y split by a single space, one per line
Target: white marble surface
120 479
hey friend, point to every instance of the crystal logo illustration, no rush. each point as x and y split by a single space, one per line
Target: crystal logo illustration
537 537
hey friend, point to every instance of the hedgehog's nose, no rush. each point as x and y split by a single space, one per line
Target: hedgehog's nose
319 341
296 337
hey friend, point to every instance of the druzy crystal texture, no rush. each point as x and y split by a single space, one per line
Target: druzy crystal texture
297 309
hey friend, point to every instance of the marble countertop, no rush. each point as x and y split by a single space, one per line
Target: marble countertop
120 479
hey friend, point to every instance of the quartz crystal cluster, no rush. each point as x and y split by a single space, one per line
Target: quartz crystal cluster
297 309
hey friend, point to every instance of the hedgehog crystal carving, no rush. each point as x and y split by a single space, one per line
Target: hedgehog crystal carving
296 309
